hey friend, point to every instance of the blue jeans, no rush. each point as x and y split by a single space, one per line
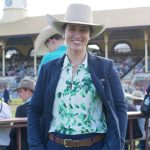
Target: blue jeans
51 145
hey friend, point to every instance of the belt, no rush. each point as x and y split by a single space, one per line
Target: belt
76 143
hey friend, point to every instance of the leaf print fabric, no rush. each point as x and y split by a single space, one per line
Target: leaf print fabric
77 107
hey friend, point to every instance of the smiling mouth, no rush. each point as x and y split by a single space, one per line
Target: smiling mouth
77 42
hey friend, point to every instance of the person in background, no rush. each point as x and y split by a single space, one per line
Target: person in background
53 42
5 113
141 144
148 90
25 91
6 95
78 102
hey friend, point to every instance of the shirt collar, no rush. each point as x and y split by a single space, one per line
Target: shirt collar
67 62
28 100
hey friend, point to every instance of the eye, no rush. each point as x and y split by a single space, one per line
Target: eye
71 29
84 30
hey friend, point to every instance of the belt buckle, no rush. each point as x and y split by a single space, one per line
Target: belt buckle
66 141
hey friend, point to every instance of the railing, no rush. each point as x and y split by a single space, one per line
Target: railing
17 123
22 122
137 115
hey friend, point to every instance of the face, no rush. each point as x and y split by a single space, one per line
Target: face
77 37
24 94
51 45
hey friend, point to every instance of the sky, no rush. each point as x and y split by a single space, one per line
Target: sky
42 7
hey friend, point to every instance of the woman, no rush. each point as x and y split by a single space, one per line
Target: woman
78 102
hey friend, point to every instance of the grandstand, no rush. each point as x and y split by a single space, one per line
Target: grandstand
125 40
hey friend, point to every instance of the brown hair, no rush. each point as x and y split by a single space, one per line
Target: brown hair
55 36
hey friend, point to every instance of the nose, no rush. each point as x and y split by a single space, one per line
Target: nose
77 33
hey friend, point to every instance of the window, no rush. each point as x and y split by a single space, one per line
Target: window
122 48
94 48
10 52
32 53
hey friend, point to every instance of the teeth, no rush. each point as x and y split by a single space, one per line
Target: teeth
77 42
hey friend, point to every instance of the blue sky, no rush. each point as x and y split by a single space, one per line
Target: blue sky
42 7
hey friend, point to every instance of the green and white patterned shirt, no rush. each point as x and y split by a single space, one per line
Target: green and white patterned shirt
77 107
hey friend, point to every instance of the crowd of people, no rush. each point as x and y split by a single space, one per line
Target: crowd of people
20 67
24 66
124 64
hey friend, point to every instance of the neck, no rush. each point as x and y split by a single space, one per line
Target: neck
77 59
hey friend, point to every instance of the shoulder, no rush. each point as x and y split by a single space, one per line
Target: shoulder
21 107
21 110
103 62
47 69
46 56
53 63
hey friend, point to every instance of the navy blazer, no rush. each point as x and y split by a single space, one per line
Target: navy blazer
108 86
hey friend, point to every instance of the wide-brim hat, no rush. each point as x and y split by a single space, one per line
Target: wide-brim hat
39 44
77 14
27 83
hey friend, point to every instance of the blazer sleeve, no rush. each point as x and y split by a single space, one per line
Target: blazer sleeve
119 100
35 109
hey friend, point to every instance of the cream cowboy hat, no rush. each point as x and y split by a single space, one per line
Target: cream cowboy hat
39 44
77 14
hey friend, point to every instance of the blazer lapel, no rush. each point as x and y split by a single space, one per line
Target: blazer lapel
96 75
55 74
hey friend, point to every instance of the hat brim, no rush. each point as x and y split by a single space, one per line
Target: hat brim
39 44
58 25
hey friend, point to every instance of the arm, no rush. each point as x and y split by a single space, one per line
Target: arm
35 110
119 101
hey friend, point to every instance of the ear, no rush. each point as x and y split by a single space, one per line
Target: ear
89 36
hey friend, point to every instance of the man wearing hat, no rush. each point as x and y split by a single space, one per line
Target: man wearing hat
25 91
79 96
51 41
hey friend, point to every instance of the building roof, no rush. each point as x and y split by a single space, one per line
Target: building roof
131 17
119 18
28 25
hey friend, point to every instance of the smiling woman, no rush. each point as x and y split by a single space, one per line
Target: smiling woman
79 95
